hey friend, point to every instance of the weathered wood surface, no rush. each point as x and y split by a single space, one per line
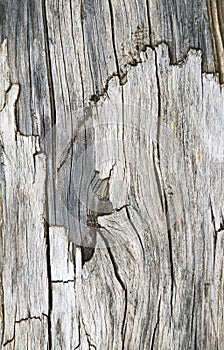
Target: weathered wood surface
111 136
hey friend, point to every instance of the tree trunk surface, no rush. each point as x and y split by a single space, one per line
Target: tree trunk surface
111 174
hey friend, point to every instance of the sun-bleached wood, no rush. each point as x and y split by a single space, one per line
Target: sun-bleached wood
111 177
24 281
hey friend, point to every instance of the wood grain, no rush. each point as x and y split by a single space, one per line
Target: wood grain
24 286
111 175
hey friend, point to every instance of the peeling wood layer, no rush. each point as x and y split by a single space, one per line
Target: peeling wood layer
103 39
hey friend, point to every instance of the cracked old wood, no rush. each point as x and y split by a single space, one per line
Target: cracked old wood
111 175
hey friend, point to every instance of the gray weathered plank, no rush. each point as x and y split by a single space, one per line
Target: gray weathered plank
105 144
24 280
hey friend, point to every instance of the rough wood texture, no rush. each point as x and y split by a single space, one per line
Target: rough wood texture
111 175
24 280
216 14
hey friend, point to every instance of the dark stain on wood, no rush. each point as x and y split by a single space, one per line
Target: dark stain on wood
2 14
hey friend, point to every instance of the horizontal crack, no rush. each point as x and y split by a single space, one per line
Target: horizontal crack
61 281
28 318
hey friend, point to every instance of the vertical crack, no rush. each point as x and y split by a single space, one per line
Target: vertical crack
113 36
214 233
159 102
166 209
192 316
48 63
157 175
2 298
2 311
53 140
79 328
156 326
123 286
136 231
50 298
149 22
118 277
170 250
52 135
